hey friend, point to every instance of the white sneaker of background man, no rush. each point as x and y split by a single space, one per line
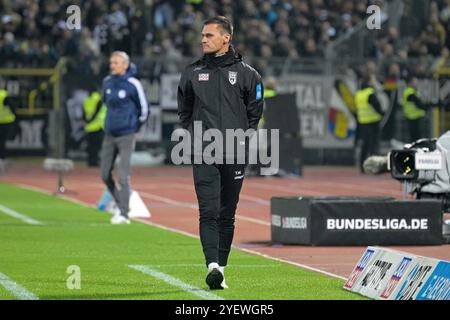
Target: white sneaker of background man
119 219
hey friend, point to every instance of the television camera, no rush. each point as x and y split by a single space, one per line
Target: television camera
423 167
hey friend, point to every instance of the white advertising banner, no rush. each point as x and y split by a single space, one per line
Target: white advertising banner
385 274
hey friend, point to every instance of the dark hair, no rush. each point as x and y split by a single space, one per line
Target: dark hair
224 23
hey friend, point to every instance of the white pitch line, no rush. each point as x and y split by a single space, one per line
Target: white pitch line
350 187
195 207
263 186
16 289
176 282
242 195
293 263
168 200
251 251
254 199
258 221
191 205
154 224
68 198
19 216
189 265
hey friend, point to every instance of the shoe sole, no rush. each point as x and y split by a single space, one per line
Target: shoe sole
122 222
214 280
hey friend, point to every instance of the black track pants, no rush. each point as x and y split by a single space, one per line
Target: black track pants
4 132
369 134
217 188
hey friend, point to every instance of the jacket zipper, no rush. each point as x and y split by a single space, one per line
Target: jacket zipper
196 111
220 100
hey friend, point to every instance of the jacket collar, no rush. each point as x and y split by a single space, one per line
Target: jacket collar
229 58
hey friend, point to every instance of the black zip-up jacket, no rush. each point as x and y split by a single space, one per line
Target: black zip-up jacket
223 92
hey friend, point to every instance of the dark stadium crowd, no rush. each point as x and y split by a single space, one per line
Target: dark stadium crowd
34 33
426 41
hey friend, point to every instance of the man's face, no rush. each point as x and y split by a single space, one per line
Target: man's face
117 65
213 40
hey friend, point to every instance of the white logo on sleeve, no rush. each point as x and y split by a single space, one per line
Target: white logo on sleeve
122 94
108 91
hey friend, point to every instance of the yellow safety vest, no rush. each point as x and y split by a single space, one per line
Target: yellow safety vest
410 110
364 110
90 107
6 115
269 93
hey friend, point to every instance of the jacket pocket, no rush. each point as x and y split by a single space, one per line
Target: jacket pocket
120 122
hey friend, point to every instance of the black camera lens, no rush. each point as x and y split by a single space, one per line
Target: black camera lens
403 165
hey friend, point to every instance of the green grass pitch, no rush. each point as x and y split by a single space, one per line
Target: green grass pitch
37 258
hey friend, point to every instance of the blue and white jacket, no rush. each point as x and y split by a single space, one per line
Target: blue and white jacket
126 103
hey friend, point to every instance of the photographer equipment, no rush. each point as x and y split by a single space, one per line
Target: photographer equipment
423 168
376 165
61 167
417 162
415 165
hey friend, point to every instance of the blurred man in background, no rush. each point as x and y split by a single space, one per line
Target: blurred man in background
94 113
270 91
127 111
413 109
369 115
7 118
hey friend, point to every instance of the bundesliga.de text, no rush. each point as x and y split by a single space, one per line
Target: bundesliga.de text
377 224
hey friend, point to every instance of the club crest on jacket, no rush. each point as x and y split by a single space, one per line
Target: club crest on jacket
122 94
232 77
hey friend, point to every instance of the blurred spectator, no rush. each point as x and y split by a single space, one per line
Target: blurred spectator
445 11
164 14
171 57
311 49
187 17
267 13
118 25
442 62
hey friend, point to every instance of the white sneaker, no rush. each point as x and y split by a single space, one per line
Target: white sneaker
214 278
223 284
119 219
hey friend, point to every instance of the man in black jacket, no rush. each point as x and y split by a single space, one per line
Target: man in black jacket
221 92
